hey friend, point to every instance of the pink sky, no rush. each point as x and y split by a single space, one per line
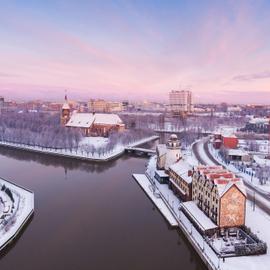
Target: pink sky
221 52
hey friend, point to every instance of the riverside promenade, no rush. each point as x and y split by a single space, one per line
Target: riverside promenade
78 153
169 205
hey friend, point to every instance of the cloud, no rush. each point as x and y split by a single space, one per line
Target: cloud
4 75
253 76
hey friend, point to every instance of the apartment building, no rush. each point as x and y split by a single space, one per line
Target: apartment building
220 195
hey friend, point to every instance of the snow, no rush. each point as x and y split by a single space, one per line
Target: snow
202 153
161 173
181 168
85 120
254 181
237 152
23 209
204 222
261 161
80 153
257 220
146 185
96 141
259 120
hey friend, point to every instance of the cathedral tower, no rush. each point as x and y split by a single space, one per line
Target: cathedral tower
65 112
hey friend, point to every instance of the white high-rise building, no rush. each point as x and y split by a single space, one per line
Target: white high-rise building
181 102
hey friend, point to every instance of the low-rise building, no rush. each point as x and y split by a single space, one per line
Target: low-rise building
180 179
96 124
91 124
220 195
237 155
258 125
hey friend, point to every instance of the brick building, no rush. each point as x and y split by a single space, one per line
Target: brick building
220 195
91 124
180 179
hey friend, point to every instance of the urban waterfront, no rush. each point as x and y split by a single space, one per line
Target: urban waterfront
90 216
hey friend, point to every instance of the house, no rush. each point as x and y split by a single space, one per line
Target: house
237 155
225 138
180 179
220 195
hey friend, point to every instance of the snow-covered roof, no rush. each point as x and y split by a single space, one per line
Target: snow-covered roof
161 173
259 120
236 152
85 120
161 149
65 106
198 216
221 178
181 168
107 119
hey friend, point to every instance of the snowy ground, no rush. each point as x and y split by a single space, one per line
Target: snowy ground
96 141
257 220
14 219
254 181
80 153
262 161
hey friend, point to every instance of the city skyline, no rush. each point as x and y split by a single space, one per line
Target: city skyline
136 50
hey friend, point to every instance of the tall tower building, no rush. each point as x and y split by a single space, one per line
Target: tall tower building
65 112
181 102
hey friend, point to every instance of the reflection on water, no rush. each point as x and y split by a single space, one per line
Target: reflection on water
90 216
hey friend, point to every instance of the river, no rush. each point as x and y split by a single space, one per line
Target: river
90 216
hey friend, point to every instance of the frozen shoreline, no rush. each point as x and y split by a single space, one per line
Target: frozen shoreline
25 210
118 151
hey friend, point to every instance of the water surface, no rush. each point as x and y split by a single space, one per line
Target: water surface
90 216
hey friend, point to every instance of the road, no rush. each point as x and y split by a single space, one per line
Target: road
203 155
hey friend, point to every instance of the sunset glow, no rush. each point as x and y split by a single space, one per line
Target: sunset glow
136 49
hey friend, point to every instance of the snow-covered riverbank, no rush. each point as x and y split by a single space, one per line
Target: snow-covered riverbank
257 220
80 153
15 210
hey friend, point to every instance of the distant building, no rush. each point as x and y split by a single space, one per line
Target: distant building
220 195
104 106
2 104
258 125
98 105
237 155
225 138
181 102
169 153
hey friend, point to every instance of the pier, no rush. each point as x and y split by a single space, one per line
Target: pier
146 185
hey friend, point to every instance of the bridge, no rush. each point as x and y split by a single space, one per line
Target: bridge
182 130
139 150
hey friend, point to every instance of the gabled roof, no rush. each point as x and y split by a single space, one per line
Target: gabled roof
181 168
221 178
85 120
